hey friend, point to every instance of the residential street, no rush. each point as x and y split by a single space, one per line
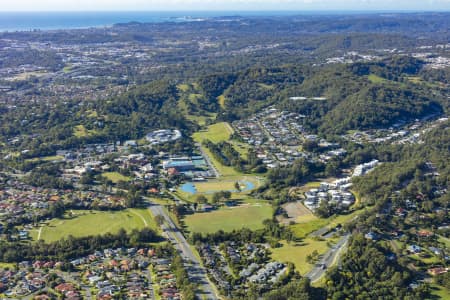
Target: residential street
195 270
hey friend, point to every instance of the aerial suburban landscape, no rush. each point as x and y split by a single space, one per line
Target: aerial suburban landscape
228 156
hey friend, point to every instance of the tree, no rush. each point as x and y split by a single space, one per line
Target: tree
159 220
201 199
237 186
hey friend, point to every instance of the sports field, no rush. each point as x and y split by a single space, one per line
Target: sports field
250 215
84 223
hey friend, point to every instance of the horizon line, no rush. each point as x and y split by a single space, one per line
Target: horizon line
237 10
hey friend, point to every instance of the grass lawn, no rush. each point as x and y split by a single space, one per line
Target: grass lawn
310 224
201 120
67 69
445 241
183 87
208 188
224 185
92 114
440 292
376 79
86 223
221 100
240 147
227 219
46 158
223 170
266 86
116 177
296 253
216 133
301 230
7 265
81 131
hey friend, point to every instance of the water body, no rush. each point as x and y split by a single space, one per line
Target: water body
26 21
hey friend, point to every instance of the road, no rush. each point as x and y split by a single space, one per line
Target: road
328 259
193 266
208 160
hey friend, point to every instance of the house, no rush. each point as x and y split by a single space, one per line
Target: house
371 236
64 287
425 233
437 271
435 250
414 249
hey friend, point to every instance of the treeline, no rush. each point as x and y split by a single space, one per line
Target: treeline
366 273
47 59
130 115
71 247
47 176
407 167
297 289
226 154
271 233
299 172
186 286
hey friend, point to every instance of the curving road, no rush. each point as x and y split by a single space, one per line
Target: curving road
328 259
193 266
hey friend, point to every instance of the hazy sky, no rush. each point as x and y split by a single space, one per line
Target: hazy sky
140 5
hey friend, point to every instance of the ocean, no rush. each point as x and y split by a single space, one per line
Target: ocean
25 21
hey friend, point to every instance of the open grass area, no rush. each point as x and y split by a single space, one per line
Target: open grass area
439 292
216 133
46 158
216 185
249 215
445 241
297 253
81 131
115 177
221 100
301 230
92 114
208 188
227 184
67 68
7 265
240 147
183 87
193 97
84 223
201 120
309 223
223 170
376 79
27 75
